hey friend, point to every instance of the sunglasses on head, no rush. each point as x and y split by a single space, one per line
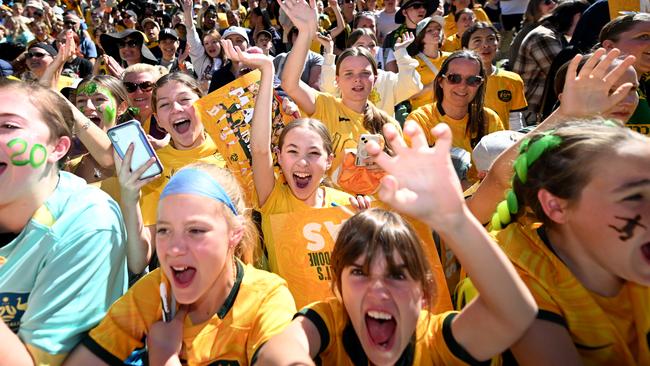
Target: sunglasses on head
36 54
455 79
145 86
132 43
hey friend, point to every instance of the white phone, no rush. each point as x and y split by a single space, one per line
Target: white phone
131 132
362 153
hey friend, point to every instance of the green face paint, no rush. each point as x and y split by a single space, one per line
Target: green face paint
87 89
109 113
37 154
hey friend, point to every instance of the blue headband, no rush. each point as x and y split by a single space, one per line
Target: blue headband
194 181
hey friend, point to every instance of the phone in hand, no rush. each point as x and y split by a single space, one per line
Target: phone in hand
131 132
362 153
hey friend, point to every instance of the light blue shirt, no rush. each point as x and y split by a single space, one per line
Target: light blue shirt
64 270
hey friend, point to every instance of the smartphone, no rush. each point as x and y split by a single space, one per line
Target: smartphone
362 153
131 132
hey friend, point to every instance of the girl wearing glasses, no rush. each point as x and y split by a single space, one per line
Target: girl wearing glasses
139 81
128 47
459 89
172 103
356 73
504 91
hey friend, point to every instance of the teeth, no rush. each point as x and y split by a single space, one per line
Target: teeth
179 269
379 315
139 99
302 175
179 121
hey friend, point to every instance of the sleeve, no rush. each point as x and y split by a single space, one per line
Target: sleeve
543 49
321 315
274 314
391 56
125 326
519 102
424 117
481 15
197 52
408 81
328 75
448 350
90 50
494 121
79 280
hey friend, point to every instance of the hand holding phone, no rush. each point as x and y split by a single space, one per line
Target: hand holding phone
362 153
131 132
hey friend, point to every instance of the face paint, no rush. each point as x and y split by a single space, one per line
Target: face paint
87 89
627 230
37 154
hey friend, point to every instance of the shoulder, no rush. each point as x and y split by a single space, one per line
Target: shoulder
422 113
260 284
509 76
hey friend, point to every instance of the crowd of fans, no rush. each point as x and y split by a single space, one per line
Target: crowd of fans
491 159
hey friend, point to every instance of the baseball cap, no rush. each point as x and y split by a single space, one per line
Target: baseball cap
236 30
422 24
491 146
149 20
168 33
45 47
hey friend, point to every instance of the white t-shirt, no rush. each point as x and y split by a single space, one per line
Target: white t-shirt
385 24
513 6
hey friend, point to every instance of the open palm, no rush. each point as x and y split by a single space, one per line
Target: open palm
302 14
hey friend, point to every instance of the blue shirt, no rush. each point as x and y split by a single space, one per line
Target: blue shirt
59 276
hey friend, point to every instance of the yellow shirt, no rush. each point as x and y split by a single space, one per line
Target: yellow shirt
344 124
282 200
504 93
258 306
427 76
451 43
450 21
172 160
430 115
606 331
433 342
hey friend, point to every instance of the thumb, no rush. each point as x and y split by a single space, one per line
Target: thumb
179 318
442 133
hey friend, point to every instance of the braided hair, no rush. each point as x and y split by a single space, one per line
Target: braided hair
559 161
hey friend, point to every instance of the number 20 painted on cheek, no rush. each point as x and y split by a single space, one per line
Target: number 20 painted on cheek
33 161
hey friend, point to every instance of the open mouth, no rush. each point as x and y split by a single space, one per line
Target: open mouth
381 328
358 89
3 167
302 179
181 126
96 120
183 276
645 249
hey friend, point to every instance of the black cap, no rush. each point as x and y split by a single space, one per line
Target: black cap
109 41
430 6
168 33
46 47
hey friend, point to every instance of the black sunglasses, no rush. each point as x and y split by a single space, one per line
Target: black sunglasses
132 43
455 79
549 2
36 54
417 6
70 23
145 86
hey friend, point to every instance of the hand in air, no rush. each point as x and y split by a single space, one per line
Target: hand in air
252 60
421 180
404 41
303 15
588 92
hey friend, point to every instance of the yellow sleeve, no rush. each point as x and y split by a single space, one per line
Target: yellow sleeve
323 315
43 358
443 347
273 315
125 325
481 15
424 117
324 109
518 96
494 122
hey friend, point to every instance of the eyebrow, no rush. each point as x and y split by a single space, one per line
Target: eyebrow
633 184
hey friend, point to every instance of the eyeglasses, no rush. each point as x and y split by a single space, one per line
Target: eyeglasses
145 86
70 23
36 54
131 43
455 79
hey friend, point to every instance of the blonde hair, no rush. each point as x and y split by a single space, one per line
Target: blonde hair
156 71
248 249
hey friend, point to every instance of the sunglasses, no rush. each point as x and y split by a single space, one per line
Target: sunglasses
145 86
70 23
36 54
549 2
455 79
131 43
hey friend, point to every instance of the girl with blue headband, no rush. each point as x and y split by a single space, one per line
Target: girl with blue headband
226 308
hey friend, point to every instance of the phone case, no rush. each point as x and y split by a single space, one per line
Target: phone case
125 134
362 153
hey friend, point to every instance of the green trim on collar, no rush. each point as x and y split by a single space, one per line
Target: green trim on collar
232 296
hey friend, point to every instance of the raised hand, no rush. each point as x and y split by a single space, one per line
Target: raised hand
252 60
587 93
421 180
188 5
302 14
130 182
327 43
404 41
